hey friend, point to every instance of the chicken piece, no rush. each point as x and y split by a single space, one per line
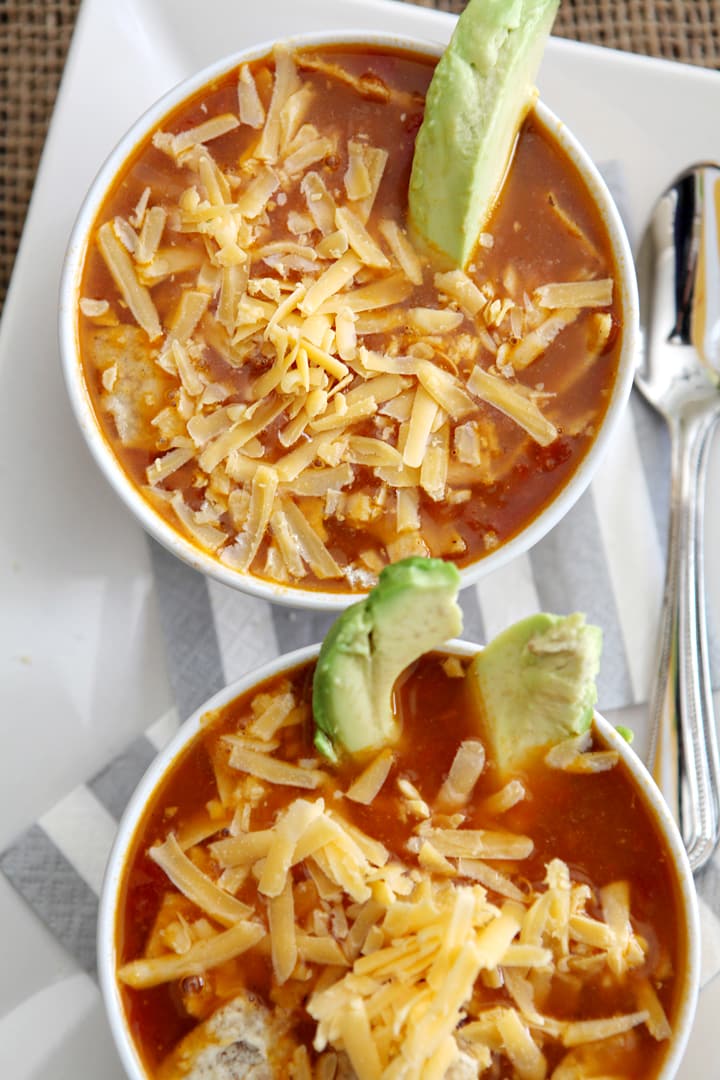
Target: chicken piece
243 1040
246 1040
138 387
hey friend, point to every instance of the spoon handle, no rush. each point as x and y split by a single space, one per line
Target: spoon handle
685 752
708 710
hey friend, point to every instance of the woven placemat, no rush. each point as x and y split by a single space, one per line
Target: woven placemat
35 34
34 39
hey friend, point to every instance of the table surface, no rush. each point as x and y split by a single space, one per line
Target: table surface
35 35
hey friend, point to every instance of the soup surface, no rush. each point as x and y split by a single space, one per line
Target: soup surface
293 385
391 913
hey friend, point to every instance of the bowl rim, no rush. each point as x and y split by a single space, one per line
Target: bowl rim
151 519
110 895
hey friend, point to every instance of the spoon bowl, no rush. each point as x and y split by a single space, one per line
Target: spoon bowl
680 306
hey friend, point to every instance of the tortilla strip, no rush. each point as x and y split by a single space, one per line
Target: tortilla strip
200 957
198 887
135 295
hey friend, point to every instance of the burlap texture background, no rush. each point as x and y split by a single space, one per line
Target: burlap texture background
35 34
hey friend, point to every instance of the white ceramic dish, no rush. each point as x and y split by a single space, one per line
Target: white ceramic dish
109 901
155 523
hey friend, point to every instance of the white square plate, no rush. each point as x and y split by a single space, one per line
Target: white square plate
81 665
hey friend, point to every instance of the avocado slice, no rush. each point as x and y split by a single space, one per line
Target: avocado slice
479 95
412 609
535 685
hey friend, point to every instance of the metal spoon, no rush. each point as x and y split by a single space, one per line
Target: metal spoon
679 271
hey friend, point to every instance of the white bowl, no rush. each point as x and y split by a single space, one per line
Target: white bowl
111 893
155 523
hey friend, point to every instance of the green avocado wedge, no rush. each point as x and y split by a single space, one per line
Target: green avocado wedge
534 686
480 93
412 610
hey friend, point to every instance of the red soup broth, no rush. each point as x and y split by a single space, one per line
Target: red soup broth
295 437
599 825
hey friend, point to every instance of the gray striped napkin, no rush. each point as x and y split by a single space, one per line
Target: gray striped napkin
605 558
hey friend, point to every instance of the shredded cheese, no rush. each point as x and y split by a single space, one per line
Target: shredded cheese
200 957
390 955
370 781
282 268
